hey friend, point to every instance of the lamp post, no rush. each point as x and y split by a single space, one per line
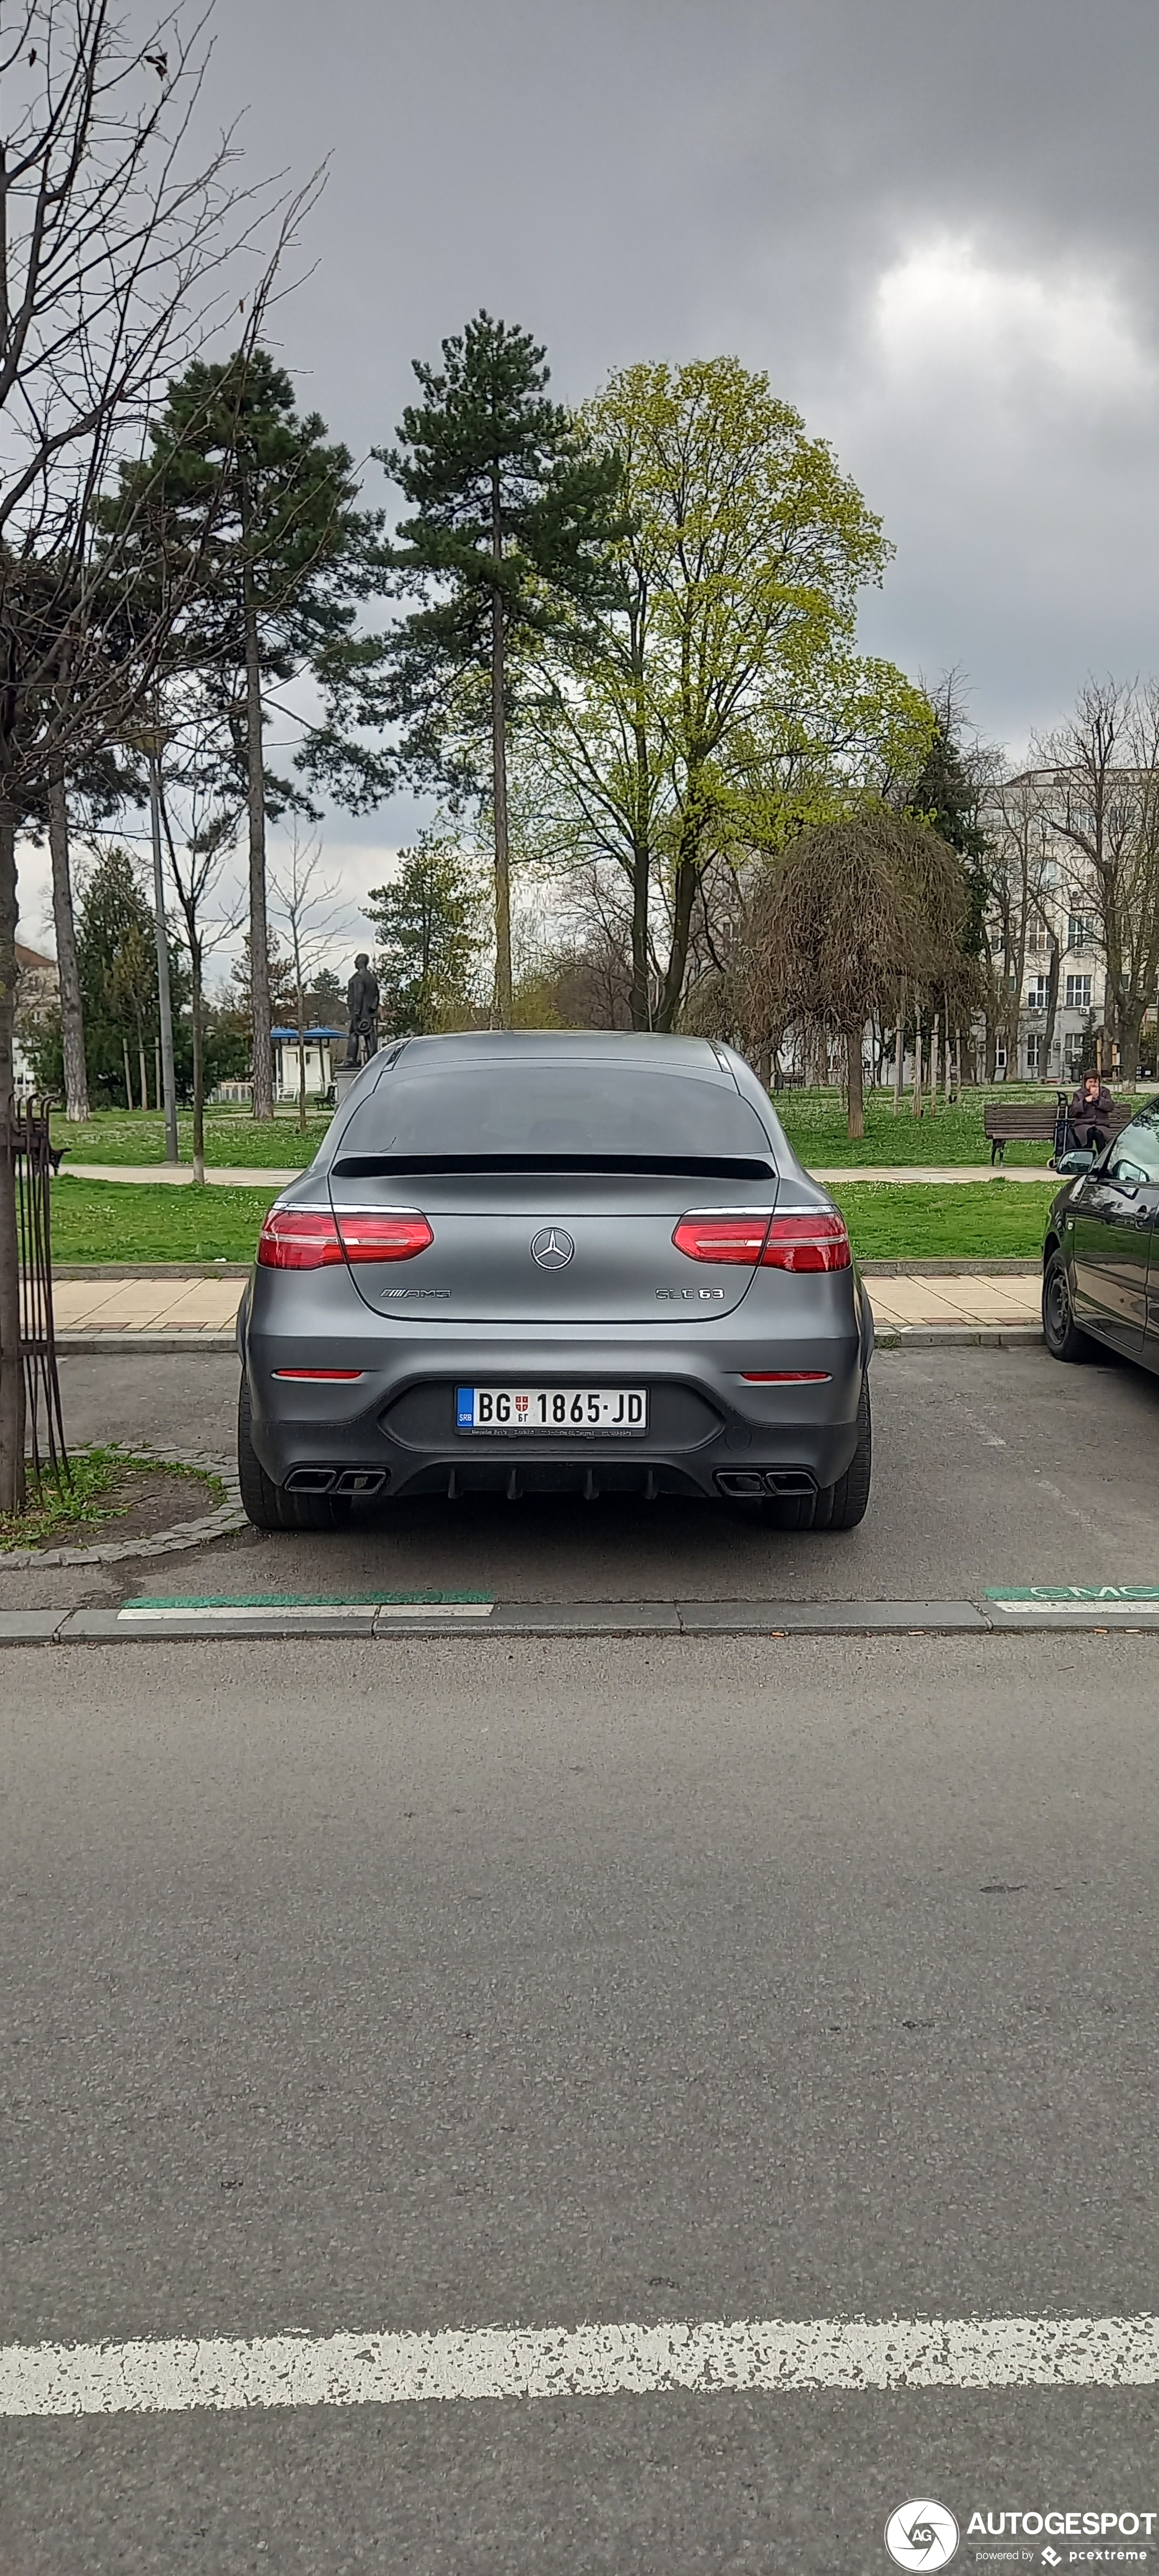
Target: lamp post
152 740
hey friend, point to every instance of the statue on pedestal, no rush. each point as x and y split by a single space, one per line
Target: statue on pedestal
362 1009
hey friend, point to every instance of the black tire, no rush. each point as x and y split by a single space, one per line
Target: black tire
833 1507
269 1506
847 1499
1062 1336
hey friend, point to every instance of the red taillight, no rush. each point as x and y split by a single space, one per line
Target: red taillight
813 1241
722 1238
298 1239
769 1377
314 1239
817 1241
382 1238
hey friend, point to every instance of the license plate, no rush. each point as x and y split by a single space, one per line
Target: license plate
551 1408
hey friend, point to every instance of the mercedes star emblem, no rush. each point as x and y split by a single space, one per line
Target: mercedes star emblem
552 1248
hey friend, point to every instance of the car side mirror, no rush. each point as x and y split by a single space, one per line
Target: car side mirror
1078 1160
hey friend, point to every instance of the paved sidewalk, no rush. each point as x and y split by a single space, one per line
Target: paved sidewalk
200 1306
247 1176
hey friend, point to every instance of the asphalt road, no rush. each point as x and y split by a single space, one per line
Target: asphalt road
991 1467
432 1985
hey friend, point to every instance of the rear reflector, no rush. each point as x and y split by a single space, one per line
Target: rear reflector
329 1377
785 1377
316 1239
814 1240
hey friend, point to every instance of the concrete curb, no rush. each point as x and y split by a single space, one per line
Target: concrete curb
890 1337
174 1541
775 1620
158 1345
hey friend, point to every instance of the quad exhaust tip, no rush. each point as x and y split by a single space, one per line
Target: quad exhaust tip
744 1484
360 1482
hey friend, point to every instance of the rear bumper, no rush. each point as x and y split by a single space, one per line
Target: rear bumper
708 1433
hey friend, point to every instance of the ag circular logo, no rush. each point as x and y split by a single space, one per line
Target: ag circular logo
922 2534
552 1247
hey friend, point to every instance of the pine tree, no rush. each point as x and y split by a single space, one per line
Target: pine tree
428 942
514 519
251 491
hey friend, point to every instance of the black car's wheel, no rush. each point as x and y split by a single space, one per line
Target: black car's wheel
1060 1332
833 1507
269 1506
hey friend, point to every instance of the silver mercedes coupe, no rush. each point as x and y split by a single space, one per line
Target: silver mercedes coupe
554 1262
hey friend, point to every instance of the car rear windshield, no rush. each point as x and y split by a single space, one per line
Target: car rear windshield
537 1109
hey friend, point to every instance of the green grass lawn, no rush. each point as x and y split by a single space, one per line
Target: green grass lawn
814 1121
231 1136
888 1220
131 1221
965 1220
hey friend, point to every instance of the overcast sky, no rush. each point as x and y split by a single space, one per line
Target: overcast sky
934 223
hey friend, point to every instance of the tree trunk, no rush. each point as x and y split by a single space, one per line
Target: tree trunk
12 1482
301 1008
855 1073
641 963
76 1081
198 1018
499 782
934 1068
917 1064
141 1070
898 1046
683 898
128 1075
1052 982
263 1064
1130 1024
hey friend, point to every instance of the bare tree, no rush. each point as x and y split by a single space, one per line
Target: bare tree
300 895
1098 783
190 789
114 247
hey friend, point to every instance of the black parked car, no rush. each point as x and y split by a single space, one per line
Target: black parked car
1100 1258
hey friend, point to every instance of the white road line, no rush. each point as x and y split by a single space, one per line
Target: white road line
773 2357
1096 1611
285 1614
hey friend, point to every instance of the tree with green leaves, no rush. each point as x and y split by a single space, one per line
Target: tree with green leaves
723 705
256 497
853 911
514 516
427 926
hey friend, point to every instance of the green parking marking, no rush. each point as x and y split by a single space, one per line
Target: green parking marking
377 1600
1077 1592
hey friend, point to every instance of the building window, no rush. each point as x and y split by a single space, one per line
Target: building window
1034 1051
1078 992
1080 930
1073 1046
1036 993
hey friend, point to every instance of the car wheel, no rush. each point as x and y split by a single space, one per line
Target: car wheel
261 1499
269 1506
1060 1332
842 1506
832 1507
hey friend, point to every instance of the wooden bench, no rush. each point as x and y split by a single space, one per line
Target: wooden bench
1035 1122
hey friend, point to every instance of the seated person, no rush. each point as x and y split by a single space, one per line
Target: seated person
1090 1112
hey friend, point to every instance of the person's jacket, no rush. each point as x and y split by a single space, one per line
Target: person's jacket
1087 1115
